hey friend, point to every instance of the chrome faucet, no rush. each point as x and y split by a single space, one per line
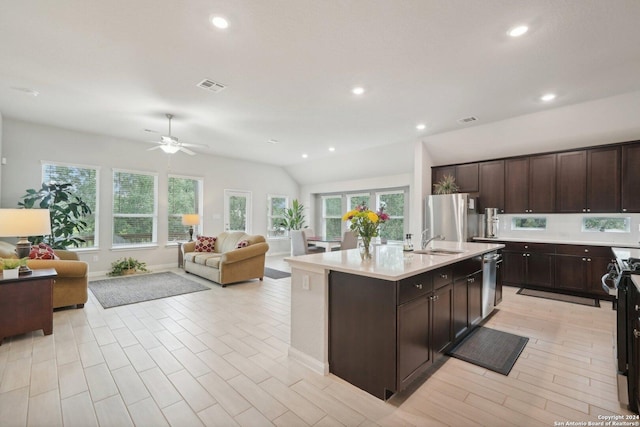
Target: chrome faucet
426 241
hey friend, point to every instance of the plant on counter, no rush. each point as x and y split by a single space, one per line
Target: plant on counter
126 266
366 224
447 185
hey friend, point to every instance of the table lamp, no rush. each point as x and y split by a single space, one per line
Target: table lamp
190 220
22 223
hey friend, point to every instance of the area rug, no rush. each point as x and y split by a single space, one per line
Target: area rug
275 274
491 349
142 287
559 297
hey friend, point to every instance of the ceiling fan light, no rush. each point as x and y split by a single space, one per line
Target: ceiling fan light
170 149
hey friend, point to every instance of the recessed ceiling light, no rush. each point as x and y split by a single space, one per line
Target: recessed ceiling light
548 97
421 126
332 149
304 156
518 31
220 22
358 90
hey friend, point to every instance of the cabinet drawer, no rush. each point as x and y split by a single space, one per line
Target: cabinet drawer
529 247
413 287
442 277
467 267
580 250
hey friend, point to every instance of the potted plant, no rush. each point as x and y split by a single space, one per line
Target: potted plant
294 216
447 185
127 266
11 266
66 209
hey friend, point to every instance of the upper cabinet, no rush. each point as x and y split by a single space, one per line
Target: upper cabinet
530 184
589 181
631 177
491 185
466 176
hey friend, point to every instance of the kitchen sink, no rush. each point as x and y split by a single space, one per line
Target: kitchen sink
437 251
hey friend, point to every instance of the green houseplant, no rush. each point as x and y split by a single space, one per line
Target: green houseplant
10 267
294 216
66 209
126 266
447 185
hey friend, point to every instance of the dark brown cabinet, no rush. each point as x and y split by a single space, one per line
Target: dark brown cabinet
580 268
466 176
528 264
460 315
530 184
441 321
414 329
589 181
631 177
491 185
474 298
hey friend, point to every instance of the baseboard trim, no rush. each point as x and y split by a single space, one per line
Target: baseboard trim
308 361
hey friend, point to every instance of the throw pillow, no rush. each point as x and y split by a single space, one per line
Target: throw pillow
242 244
205 243
42 251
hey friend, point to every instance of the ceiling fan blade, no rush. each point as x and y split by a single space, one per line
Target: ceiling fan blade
186 150
184 144
154 148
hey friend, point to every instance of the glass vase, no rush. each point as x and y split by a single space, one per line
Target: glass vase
365 248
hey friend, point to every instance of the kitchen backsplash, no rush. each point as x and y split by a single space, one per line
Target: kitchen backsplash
568 227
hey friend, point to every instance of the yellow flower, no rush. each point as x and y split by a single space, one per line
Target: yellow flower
372 217
349 214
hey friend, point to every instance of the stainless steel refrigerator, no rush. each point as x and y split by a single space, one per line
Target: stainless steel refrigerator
453 216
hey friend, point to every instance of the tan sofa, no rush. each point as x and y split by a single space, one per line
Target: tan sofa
70 287
228 264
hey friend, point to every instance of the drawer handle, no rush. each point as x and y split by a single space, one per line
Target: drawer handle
637 307
636 333
584 259
589 259
444 276
418 285
586 250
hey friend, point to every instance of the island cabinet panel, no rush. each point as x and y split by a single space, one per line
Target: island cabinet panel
631 177
414 351
460 315
474 298
603 180
362 332
467 295
491 185
442 326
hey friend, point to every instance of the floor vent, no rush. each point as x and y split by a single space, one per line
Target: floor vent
211 85
466 120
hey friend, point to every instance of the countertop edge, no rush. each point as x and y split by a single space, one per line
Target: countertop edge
557 242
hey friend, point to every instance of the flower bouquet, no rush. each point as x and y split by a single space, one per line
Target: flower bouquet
366 224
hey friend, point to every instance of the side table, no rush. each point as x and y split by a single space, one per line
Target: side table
26 303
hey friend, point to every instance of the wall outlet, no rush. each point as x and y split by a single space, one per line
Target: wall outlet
305 282
95 258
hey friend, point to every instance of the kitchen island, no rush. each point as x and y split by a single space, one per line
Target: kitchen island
380 323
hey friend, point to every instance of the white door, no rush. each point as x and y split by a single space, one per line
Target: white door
237 210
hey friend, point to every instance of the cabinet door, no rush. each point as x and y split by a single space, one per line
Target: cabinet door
460 315
603 180
516 185
492 185
597 267
474 301
413 336
571 182
571 273
540 269
630 177
467 178
440 172
441 330
513 268
542 183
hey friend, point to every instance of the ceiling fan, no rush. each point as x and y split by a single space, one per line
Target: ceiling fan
170 144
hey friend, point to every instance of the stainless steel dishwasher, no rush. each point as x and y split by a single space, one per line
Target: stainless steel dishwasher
489 262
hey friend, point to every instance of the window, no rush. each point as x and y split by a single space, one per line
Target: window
355 200
85 181
135 207
332 216
184 197
393 204
528 223
606 225
276 206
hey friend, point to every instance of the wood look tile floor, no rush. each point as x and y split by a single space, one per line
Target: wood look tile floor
219 358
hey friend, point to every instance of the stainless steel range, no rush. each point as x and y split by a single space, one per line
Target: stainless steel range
618 282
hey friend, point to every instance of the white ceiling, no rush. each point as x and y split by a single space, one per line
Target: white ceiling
116 67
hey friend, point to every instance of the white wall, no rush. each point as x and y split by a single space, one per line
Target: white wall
27 144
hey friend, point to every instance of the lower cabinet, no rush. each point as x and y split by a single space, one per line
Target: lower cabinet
474 298
528 264
579 268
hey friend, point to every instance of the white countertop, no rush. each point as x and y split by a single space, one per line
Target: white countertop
626 253
390 262
558 241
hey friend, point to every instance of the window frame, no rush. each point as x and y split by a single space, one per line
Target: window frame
197 229
324 198
271 216
154 215
95 211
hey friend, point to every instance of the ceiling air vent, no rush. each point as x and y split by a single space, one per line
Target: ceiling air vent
211 85
466 120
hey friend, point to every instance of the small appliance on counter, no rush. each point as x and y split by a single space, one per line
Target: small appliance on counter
491 223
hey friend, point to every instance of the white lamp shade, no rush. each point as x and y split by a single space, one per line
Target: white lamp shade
24 222
190 219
